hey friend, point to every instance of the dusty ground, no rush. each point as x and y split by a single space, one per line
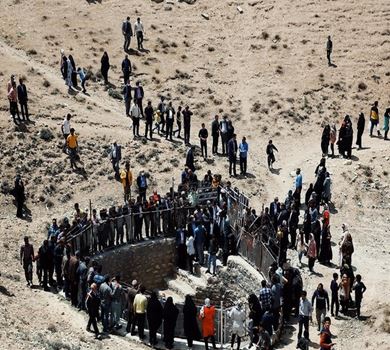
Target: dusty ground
265 68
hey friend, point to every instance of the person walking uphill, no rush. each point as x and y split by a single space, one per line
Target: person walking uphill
191 329
386 118
127 32
321 299
126 69
207 316
270 152
93 304
305 311
105 66
170 314
374 118
139 32
329 49
20 196
23 98
26 259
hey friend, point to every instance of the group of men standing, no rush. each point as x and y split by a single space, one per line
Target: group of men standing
17 94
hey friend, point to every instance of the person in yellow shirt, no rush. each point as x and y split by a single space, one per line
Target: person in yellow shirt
139 306
72 144
374 118
127 180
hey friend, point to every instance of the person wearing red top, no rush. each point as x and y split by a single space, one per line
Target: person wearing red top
326 336
207 316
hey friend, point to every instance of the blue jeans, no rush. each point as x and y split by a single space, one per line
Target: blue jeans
212 260
105 316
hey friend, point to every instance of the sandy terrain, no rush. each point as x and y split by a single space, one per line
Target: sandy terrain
265 68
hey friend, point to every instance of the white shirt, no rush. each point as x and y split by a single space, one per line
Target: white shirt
305 308
138 27
66 127
134 111
190 246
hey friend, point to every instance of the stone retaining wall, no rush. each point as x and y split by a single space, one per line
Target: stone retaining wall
148 262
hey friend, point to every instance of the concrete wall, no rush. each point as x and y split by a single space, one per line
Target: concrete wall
148 262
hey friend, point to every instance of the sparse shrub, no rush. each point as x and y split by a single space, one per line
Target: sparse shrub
32 52
46 83
211 49
265 35
362 86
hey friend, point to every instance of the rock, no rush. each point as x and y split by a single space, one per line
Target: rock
115 94
348 162
46 134
189 2
205 16
239 9
158 1
5 187
168 8
170 2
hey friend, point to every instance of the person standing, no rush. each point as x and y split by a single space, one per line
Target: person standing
116 156
126 68
105 293
329 49
105 66
332 138
187 114
140 304
131 293
326 336
65 129
243 149
190 158
154 313
45 261
334 287
223 127
190 252
215 134
20 196
139 95
321 299
69 71
127 96
26 260
207 316
161 107
348 136
116 302
190 324
170 314
142 183
170 118
325 140
203 135
237 315
178 121
359 289
72 145
311 252
149 120
73 71
360 129
93 304
265 296
13 101
213 251
298 184
270 151
199 240
135 114
232 154
139 32
305 314
374 118
127 180
127 32
23 98
386 118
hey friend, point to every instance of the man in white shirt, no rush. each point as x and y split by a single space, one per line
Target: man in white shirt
139 31
224 134
135 114
65 128
305 311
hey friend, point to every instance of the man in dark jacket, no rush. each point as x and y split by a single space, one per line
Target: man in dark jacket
93 304
149 120
232 154
23 98
19 195
142 184
45 260
360 130
116 156
215 134
127 96
127 32
73 278
126 69
139 95
203 135
190 158
274 210
187 114
169 118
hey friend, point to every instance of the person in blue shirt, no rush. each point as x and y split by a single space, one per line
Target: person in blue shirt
142 185
243 149
54 230
83 78
298 185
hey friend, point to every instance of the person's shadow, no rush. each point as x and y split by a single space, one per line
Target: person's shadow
6 292
275 171
333 65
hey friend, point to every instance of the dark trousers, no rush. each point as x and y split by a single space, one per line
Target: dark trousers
190 341
140 40
311 263
127 106
126 44
303 322
181 256
243 163
328 53
83 85
332 148
93 322
136 126
359 138
149 128
45 271
140 320
152 335
224 139
238 341
139 104
28 270
232 165
74 288
191 263
206 342
19 208
215 144
358 304
24 110
335 303
130 323
187 130
126 76
138 227
105 317
58 269
178 129
13 106
203 147
169 129
105 75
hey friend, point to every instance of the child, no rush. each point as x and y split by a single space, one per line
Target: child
81 74
359 289
334 287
